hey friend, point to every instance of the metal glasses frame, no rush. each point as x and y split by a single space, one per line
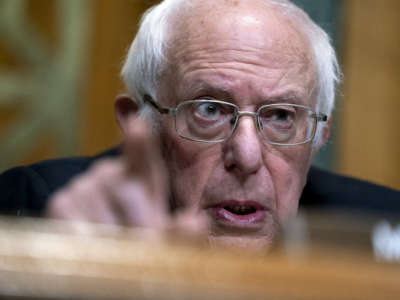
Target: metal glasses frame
317 117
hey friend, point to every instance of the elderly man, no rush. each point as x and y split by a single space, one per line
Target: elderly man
228 102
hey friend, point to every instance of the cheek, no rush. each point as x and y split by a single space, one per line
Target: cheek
190 165
289 174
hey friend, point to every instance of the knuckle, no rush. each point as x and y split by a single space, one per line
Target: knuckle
59 204
103 165
81 185
106 169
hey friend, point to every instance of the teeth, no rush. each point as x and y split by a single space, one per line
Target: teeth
240 209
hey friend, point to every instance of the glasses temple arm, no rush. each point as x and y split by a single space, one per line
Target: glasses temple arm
161 110
320 117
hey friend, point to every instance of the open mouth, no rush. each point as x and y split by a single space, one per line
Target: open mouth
238 214
240 209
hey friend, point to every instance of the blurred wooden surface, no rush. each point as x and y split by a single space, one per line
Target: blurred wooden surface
370 110
45 260
115 26
111 26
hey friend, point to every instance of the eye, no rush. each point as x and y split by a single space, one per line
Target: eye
277 116
282 115
208 110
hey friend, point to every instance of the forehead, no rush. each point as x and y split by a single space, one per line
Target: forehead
257 21
248 36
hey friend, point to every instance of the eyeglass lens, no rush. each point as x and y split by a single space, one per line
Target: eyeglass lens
207 120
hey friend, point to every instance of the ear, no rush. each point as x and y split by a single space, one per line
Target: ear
124 108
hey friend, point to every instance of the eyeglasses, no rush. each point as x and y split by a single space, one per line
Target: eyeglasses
213 121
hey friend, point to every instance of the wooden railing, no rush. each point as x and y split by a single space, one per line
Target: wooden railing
49 260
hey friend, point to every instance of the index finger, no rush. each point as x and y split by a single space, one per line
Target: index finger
144 162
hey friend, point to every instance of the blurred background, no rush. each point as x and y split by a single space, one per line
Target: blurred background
59 74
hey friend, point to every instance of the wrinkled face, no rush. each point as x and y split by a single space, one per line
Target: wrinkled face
249 56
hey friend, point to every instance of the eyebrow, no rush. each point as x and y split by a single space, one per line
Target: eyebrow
290 96
286 97
199 87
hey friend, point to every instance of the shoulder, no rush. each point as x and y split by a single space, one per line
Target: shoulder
58 172
25 189
328 190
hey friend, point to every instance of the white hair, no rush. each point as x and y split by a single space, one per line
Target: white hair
146 59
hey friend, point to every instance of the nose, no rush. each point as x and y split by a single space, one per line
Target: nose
243 151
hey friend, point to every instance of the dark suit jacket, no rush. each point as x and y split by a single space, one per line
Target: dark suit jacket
25 190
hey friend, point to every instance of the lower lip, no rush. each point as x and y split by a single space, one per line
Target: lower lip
228 218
